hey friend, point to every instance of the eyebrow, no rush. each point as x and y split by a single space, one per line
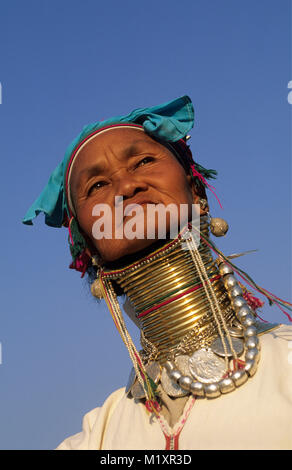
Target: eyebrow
129 151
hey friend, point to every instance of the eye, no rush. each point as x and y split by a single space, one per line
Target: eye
97 185
144 161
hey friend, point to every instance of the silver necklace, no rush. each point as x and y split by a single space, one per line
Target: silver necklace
203 373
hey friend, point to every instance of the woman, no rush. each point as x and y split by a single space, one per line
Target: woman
209 376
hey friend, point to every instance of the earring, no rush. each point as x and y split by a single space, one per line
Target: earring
204 205
96 288
219 227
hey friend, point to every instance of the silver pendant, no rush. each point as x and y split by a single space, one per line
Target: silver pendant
182 363
217 346
153 370
137 391
235 332
171 388
206 367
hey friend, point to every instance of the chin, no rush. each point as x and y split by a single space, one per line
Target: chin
116 250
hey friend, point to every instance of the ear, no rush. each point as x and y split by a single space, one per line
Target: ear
90 249
197 195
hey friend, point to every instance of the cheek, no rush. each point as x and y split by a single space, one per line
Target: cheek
181 194
85 221
177 185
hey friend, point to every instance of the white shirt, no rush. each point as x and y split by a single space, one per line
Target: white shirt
257 415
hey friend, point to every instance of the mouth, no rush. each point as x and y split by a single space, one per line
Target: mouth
131 206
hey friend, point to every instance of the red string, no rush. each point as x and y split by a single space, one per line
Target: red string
81 263
176 297
152 405
201 177
252 301
265 321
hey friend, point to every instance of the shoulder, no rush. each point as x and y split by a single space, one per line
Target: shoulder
276 340
106 409
276 352
97 418
276 336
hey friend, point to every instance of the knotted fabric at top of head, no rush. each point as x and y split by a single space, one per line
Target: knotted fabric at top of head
168 122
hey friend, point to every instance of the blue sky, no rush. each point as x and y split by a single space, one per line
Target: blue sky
66 64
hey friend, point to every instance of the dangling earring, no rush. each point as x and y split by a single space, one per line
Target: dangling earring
95 287
204 205
219 227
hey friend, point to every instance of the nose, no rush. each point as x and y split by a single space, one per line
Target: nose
128 185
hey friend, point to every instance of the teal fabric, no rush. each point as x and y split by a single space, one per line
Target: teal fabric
168 122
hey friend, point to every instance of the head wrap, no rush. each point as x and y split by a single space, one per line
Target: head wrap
168 123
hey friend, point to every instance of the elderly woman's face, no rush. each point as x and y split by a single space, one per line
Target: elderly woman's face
129 164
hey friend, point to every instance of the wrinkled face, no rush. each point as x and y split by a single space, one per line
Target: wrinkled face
117 168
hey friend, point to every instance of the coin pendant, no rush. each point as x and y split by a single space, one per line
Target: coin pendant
170 387
182 363
236 332
206 367
217 346
153 370
137 390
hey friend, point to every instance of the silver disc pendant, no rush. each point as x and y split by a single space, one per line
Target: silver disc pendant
217 347
206 367
153 370
137 391
235 332
170 387
182 363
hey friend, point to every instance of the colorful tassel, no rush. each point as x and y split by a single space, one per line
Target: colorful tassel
77 244
201 178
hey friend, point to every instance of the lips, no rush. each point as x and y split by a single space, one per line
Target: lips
129 207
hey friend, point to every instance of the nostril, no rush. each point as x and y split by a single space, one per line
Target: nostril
128 189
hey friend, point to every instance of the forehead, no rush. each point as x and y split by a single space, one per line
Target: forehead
121 142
